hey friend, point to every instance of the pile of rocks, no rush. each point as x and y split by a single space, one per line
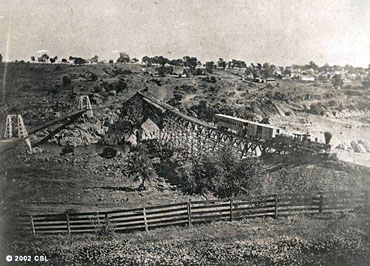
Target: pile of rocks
81 134
359 146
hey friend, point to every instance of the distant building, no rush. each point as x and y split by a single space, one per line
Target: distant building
271 81
347 83
308 78
259 80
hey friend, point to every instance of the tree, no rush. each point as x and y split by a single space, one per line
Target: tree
123 58
224 174
94 59
268 70
209 66
176 62
77 60
237 63
64 60
53 59
43 58
141 165
312 65
134 60
337 81
162 60
1 58
221 63
33 58
146 60
191 62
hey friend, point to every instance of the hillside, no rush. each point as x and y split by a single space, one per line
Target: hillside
96 164
38 92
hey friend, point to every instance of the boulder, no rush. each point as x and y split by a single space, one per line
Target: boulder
67 150
36 150
109 153
365 143
112 93
342 146
359 148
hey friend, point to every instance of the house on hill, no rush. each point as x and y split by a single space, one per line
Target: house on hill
347 83
271 81
307 78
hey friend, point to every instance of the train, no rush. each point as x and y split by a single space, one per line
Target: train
246 127
259 131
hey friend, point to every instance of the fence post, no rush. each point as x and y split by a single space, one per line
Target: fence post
189 212
68 226
276 205
231 210
32 226
321 203
106 219
145 221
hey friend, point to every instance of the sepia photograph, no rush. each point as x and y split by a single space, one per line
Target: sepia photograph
185 133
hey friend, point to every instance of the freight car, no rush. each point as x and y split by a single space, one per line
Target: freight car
245 127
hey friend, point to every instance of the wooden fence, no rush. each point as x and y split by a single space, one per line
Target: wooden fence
194 212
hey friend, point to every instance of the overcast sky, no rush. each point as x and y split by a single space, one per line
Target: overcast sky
277 31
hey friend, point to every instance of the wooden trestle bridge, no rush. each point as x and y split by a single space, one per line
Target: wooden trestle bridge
193 136
177 130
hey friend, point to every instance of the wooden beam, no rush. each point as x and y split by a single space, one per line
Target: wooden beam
145 221
189 212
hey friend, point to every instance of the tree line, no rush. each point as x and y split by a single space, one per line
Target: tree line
255 69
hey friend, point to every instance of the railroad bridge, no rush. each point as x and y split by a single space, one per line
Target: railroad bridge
193 136
185 133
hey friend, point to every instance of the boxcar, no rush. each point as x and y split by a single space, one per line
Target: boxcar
245 127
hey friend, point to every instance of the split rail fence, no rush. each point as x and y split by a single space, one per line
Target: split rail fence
194 212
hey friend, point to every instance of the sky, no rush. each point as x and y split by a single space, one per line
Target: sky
282 32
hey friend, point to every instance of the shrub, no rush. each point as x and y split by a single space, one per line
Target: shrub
66 80
223 173
121 85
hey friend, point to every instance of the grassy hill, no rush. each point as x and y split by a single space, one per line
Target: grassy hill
37 91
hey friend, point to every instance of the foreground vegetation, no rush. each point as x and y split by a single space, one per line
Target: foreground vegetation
223 174
300 240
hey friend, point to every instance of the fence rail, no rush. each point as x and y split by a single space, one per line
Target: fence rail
192 212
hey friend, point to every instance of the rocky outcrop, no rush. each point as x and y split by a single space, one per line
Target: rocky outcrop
81 134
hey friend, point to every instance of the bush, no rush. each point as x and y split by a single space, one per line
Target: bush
66 80
223 173
121 85
98 89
